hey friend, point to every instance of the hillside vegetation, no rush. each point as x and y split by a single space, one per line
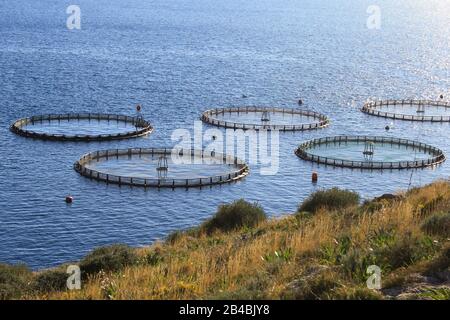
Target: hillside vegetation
320 252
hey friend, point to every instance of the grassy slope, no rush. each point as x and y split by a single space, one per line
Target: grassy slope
303 256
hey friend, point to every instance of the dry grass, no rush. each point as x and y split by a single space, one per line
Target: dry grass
300 256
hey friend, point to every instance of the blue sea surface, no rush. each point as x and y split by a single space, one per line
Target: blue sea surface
178 58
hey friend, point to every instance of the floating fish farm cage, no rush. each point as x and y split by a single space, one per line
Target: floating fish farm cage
412 110
265 118
161 168
374 153
81 127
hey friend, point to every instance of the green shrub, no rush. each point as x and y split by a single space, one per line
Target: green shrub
153 257
236 215
440 266
437 225
388 255
356 262
109 258
407 251
279 255
331 199
49 281
442 293
383 238
14 281
333 253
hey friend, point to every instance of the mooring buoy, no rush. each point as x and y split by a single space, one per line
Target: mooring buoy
442 96
314 177
387 128
138 108
300 102
69 199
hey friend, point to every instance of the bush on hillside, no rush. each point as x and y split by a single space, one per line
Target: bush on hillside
331 199
235 215
110 258
14 280
437 225
49 281
440 266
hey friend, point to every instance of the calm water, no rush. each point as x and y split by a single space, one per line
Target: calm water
274 118
84 127
178 58
145 166
385 152
428 111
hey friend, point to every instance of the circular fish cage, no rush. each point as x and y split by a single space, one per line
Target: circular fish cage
265 118
81 127
374 153
161 168
412 110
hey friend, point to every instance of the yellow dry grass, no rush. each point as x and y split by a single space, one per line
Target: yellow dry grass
259 263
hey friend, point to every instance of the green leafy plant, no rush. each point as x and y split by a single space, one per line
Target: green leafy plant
442 293
334 252
279 255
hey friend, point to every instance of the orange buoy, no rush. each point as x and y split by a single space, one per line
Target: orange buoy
314 177
69 199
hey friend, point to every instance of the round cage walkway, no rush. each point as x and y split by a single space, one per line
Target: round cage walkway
418 106
210 117
240 168
141 127
436 155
